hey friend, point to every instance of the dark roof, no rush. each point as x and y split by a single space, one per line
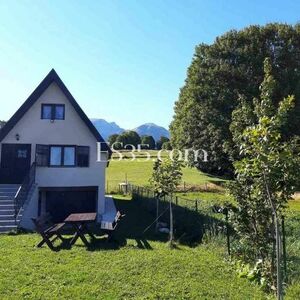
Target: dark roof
51 77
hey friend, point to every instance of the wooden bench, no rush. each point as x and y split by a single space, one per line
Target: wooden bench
47 229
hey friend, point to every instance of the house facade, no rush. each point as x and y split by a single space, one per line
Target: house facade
49 153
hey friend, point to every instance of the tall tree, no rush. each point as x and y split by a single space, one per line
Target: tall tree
224 73
161 141
112 138
2 123
129 138
267 174
148 140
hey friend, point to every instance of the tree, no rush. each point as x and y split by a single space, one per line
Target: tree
112 139
148 140
224 73
266 176
129 138
166 176
167 146
2 123
161 141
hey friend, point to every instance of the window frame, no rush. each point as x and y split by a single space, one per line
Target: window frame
63 156
53 106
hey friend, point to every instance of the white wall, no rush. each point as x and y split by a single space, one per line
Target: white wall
71 131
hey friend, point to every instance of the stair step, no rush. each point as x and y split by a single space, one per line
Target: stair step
2 222
7 217
7 202
6 210
6 193
4 229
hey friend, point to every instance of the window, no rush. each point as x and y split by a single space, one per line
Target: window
55 156
62 156
53 111
69 156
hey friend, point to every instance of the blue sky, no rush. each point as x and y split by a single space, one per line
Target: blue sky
124 61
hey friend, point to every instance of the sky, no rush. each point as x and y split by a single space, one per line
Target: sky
123 61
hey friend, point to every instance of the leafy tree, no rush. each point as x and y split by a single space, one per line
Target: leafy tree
166 176
148 140
2 123
112 138
161 141
224 74
167 146
267 174
129 137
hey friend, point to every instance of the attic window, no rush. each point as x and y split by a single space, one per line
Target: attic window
53 112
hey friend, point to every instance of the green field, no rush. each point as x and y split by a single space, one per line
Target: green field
138 264
135 266
139 171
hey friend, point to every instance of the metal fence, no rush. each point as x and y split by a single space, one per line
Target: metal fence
191 222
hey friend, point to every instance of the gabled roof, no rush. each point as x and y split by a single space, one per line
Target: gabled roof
50 78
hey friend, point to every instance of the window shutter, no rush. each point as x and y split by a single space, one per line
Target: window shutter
83 156
42 155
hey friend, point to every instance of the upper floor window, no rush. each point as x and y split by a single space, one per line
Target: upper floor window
53 111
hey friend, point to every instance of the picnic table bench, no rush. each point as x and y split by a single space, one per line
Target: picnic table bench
79 223
47 229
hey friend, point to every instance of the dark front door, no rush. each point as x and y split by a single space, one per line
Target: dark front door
15 162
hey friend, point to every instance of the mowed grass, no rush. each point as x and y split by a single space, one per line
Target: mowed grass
139 171
127 273
136 266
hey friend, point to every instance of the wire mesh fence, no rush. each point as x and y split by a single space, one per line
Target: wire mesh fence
190 221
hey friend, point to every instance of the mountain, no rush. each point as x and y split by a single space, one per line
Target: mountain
106 128
152 129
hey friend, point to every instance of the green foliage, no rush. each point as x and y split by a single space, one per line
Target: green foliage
267 173
129 137
148 140
167 146
112 138
2 123
166 176
225 74
161 141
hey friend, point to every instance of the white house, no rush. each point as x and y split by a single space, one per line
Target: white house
49 160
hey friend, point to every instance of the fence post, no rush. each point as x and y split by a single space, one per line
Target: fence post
196 205
227 231
284 248
171 224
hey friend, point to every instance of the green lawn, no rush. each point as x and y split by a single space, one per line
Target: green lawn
138 172
126 273
136 266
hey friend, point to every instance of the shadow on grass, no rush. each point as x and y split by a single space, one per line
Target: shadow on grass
139 225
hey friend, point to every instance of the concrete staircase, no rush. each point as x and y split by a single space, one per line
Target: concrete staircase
7 219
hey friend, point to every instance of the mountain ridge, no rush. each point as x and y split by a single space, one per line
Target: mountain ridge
106 129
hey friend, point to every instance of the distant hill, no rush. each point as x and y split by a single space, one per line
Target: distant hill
152 129
106 128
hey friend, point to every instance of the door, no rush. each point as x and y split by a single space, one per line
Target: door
15 163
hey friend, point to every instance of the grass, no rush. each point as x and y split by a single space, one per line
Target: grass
136 266
138 172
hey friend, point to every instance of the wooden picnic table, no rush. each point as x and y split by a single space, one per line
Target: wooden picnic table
79 223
